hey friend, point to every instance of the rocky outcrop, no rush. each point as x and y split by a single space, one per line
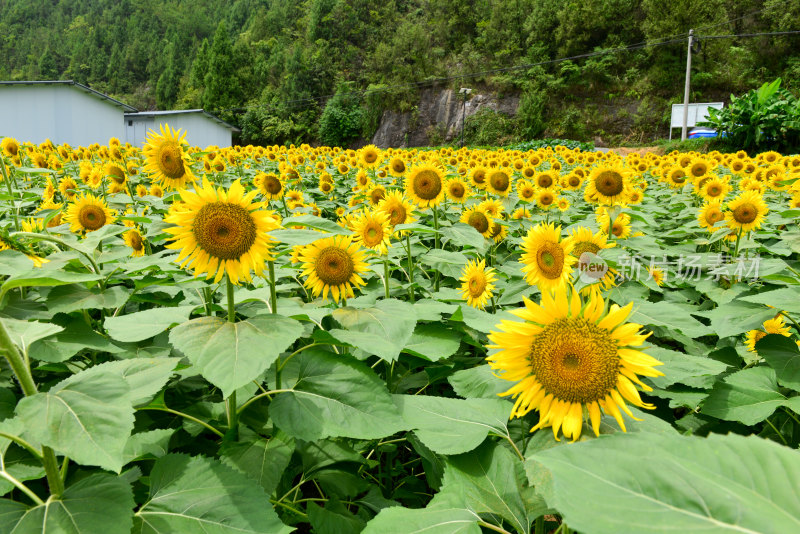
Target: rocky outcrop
437 118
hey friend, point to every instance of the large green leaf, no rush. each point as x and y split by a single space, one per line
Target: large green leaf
748 396
491 480
445 514
736 317
446 262
334 518
97 503
231 355
87 417
463 235
202 495
44 277
382 330
25 333
333 395
667 314
76 336
780 299
262 460
453 426
683 368
646 482
65 299
154 443
478 382
145 324
480 320
145 376
433 342
317 223
783 355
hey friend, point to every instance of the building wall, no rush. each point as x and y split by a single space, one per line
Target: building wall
61 113
200 130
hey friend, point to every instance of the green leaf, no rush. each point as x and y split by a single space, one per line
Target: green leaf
684 368
432 310
430 520
317 223
231 355
296 237
433 342
333 395
91 505
145 324
262 460
453 426
42 277
446 262
202 495
480 320
478 383
734 318
783 355
463 235
154 443
24 333
77 336
87 417
748 396
73 297
145 376
334 518
491 480
672 483
382 330
669 315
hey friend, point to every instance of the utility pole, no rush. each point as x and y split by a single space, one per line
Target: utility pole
686 87
464 92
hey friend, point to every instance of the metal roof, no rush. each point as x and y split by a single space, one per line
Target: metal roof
80 86
182 111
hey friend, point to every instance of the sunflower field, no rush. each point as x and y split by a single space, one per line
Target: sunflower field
313 339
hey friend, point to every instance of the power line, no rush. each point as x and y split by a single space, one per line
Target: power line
707 26
732 36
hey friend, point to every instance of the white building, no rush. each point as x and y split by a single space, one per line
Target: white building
202 128
62 111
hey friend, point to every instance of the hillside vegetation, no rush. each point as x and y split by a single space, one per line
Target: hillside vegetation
269 66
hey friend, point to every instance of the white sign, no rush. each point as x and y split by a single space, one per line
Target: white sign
697 113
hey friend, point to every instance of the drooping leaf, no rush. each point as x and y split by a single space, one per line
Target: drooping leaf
334 518
783 355
433 342
69 298
453 426
748 396
145 376
672 483
382 330
203 495
262 460
478 382
231 355
151 443
87 417
94 504
25 333
142 325
333 395
44 277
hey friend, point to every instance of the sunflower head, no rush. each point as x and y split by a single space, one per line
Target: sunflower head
369 156
332 265
134 239
166 159
479 219
498 181
607 185
569 358
456 190
397 208
477 283
746 212
372 230
547 260
221 232
87 214
10 147
424 185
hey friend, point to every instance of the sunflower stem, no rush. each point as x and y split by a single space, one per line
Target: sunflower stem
10 193
436 244
410 268
538 526
386 276
23 373
273 296
285 209
230 402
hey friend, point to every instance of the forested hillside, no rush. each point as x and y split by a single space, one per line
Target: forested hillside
269 65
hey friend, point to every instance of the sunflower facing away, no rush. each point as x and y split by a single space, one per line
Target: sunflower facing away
87 214
219 232
332 265
134 239
547 258
478 283
571 359
166 159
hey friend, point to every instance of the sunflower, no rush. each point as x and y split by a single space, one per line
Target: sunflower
376 194
525 190
714 188
9 243
498 181
546 179
698 167
270 185
521 213
656 275
478 177
570 359
397 167
456 190
115 173
620 228
166 160
776 325
88 213
499 232
10 147
372 230
478 283
369 156
397 208
156 191
676 177
333 264
573 181
709 215
219 232
545 199
607 185
424 185
479 219
747 211
547 258
68 188
492 207
562 203
134 239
